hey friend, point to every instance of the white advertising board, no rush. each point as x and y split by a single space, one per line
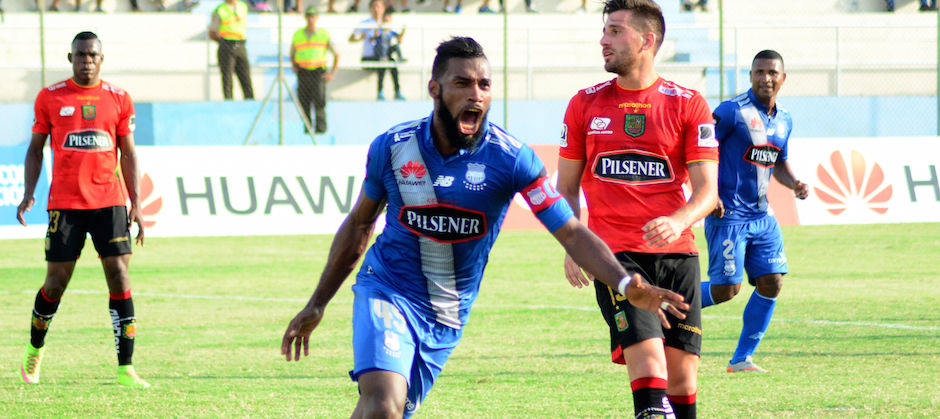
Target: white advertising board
254 190
868 180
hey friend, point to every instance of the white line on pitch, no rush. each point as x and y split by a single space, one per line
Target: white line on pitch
484 306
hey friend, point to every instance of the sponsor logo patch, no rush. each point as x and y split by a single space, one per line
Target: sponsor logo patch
632 167
564 135
444 181
599 125
88 140
67 111
706 136
634 125
443 223
762 155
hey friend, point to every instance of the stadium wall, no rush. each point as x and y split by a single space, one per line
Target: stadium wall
534 122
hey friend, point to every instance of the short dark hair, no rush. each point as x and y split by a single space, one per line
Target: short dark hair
456 47
84 36
768 54
647 16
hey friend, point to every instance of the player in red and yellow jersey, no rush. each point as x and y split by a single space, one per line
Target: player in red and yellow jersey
90 124
631 143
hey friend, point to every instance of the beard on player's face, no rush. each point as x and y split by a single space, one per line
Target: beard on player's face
452 132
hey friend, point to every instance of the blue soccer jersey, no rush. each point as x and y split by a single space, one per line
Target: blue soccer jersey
750 143
444 213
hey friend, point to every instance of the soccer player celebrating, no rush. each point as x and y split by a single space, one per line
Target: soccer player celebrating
631 143
447 181
752 134
89 121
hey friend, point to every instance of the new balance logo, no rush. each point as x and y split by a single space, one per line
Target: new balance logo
444 181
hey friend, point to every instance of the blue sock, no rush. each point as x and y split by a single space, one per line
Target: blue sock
756 318
707 295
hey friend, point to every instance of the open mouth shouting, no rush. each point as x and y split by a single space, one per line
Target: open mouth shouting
468 120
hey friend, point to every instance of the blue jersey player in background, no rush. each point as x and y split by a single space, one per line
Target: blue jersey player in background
447 181
752 134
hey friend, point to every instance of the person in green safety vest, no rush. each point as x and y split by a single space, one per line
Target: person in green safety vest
228 27
308 51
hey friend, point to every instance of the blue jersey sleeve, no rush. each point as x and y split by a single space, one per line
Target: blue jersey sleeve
377 159
536 188
724 119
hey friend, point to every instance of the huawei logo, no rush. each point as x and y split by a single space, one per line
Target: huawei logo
413 168
855 184
150 205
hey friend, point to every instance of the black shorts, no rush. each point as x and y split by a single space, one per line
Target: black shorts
679 272
65 237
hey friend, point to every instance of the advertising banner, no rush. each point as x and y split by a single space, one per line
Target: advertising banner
254 190
12 187
272 190
867 180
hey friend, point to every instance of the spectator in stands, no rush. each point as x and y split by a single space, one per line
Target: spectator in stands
485 8
689 5
228 27
583 8
389 6
454 9
369 32
925 5
308 59
391 38
78 6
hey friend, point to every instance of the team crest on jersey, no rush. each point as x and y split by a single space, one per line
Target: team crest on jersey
67 111
634 125
475 179
762 155
89 112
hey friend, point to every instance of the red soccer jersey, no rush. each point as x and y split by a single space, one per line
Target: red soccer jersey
636 145
83 124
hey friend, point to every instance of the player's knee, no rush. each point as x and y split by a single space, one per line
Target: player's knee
769 285
722 293
383 407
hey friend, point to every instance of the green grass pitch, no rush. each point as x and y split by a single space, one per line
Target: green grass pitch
856 333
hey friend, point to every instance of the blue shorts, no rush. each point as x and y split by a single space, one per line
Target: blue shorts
754 246
390 334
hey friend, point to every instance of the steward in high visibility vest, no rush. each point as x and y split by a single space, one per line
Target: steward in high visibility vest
233 20
308 60
228 27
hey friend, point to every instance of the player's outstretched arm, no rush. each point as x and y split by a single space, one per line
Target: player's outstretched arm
349 244
588 251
